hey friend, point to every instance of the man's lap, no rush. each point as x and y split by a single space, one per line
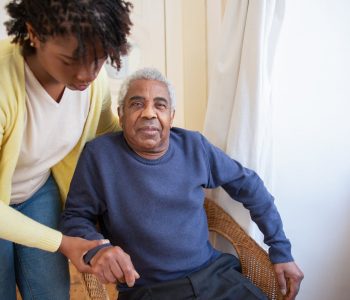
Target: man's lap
220 280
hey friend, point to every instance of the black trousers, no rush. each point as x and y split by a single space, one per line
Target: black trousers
221 280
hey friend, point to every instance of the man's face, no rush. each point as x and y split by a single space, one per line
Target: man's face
146 118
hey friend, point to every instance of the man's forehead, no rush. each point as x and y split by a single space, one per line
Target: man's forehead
144 87
147 82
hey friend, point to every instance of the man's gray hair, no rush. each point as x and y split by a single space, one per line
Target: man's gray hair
148 74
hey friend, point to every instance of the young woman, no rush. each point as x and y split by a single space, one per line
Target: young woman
53 98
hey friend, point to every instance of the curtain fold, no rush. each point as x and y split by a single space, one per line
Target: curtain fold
239 113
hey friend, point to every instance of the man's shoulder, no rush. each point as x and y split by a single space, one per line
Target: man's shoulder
181 135
106 140
177 132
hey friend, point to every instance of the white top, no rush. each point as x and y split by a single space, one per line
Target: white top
51 131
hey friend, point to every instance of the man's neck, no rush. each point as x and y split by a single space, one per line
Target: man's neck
151 155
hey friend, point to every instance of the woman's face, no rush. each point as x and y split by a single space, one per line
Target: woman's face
57 63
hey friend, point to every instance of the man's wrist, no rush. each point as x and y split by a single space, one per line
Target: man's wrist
91 253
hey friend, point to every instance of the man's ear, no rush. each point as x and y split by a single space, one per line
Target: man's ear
120 115
172 117
33 37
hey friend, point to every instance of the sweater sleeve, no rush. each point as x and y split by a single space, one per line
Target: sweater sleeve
84 202
32 233
246 187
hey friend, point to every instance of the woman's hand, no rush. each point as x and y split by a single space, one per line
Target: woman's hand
75 248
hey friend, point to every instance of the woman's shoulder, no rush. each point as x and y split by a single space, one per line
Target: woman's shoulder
11 60
11 73
7 48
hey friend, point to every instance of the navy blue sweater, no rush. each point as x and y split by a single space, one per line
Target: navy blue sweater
153 209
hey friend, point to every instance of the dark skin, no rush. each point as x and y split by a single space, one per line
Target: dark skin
147 117
55 66
75 248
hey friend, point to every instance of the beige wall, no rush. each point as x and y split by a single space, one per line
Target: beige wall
186 55
172 36
182 25
195 63
192 33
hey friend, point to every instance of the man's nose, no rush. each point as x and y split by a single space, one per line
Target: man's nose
149 112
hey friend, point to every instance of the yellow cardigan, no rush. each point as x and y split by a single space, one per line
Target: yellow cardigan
12 111
31 234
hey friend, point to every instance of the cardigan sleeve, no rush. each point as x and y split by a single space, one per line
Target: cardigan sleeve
108 121
32 233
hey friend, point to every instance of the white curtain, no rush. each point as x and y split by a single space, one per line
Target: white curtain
239 113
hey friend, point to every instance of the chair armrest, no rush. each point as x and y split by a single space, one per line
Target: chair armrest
255 262
95 289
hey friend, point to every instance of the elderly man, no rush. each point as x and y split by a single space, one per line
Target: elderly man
145 186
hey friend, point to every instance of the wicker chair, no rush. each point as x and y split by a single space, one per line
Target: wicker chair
254 260
95 290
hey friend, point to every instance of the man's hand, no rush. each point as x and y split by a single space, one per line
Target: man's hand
75 248
289 277
111 264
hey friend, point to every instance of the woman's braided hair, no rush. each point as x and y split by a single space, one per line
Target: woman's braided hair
90 21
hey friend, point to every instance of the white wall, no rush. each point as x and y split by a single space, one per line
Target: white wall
312 145
3 18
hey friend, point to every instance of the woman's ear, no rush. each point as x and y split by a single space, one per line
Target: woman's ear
33 38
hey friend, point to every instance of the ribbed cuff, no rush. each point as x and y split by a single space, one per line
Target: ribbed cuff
91 253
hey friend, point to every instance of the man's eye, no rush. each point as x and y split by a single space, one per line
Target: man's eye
161 106
136 104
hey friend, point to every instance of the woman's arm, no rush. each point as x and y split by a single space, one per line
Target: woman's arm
34 234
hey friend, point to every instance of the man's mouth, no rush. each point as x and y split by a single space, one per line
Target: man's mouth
149 129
